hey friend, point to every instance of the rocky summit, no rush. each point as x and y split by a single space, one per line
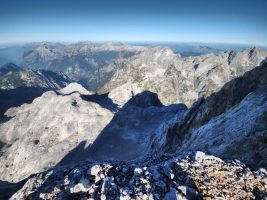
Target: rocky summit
161 126
192 175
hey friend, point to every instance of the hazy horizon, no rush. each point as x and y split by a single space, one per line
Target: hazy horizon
231 22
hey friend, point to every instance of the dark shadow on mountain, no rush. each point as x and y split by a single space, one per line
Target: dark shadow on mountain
2 144
79 153
7 189
16 97
140 101
103 100
123 137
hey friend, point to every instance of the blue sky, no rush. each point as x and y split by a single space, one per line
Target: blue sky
225 21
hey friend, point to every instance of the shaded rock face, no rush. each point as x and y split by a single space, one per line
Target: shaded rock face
193 175
179 80
145 99
85 62
130 132
230 123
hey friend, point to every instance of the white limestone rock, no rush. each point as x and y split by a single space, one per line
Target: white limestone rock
40 134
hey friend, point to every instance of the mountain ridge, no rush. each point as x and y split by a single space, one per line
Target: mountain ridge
180 80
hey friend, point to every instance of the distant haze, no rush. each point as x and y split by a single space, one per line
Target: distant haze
228 21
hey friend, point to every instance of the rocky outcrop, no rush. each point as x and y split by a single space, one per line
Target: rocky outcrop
193 175
176 79
46 130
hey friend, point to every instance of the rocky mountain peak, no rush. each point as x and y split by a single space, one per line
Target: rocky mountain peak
158 54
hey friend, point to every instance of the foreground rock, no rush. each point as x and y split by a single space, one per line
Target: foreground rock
193 175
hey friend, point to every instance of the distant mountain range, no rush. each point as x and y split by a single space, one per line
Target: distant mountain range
86 62
91 64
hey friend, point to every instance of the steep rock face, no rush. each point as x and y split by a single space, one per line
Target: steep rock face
240 133
176 79
46 130
193 175
230 123
89 63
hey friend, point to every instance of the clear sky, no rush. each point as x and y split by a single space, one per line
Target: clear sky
225 21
